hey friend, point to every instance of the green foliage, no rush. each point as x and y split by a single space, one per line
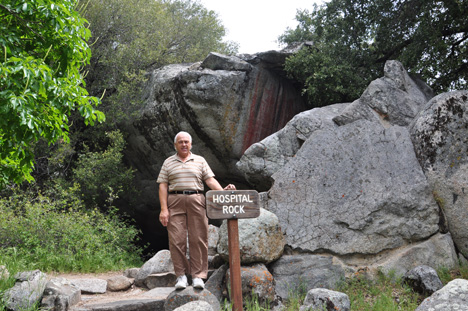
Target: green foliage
296 296
43 46
102 176
387 293
350 40
446 275
131 38
253 303
60 235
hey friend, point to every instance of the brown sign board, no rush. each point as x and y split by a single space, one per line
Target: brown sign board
232 204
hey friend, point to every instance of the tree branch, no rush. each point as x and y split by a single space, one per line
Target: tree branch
397 48
21 20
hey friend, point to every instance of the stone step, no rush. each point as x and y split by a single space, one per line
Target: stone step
125 305
137 300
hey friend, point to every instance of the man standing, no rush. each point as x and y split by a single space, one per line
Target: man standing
183 209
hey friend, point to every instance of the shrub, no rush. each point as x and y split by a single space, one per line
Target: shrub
102 176
60 235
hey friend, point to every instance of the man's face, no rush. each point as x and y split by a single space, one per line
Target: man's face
183 144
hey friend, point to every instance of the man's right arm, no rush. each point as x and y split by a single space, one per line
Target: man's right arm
164 214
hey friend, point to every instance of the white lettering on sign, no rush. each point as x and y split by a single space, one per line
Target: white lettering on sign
232 198
233 209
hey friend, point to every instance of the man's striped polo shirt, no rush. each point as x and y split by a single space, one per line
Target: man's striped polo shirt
185 176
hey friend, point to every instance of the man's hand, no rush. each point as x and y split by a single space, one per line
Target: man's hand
164 217
230 187
214 185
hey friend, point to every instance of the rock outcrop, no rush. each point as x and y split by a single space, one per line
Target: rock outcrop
394 99
262 159
346 181
356 189
440 137
379 184
226 103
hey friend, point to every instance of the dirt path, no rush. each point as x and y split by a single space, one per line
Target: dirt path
132 293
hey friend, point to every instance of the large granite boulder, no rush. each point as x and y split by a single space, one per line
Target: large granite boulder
355 189
394 99
345 179
440 137
261 160
260 239
225 103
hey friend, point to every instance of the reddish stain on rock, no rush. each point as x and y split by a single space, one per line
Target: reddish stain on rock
275 101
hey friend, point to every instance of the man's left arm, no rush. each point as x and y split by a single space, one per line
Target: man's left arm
214 185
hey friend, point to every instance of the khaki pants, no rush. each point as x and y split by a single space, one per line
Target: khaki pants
187 213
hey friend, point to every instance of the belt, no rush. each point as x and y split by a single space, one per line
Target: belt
186 192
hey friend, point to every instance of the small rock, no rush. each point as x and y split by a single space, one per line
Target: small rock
423 279
27 291
213 237
91 286
160 280
215 283
159 263
216 261
256 280
60 295
325 299
131 273
118 283
199 305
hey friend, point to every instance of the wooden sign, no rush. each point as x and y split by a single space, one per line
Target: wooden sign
232 204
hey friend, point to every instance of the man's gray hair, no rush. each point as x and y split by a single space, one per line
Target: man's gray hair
182 132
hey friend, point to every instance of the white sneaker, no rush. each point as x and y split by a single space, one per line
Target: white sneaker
181 282
198 283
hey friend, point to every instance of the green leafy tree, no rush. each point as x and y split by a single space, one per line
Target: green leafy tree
350 41
102 176
130 38
43 47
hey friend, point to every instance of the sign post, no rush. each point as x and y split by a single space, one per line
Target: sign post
232 205
234 265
